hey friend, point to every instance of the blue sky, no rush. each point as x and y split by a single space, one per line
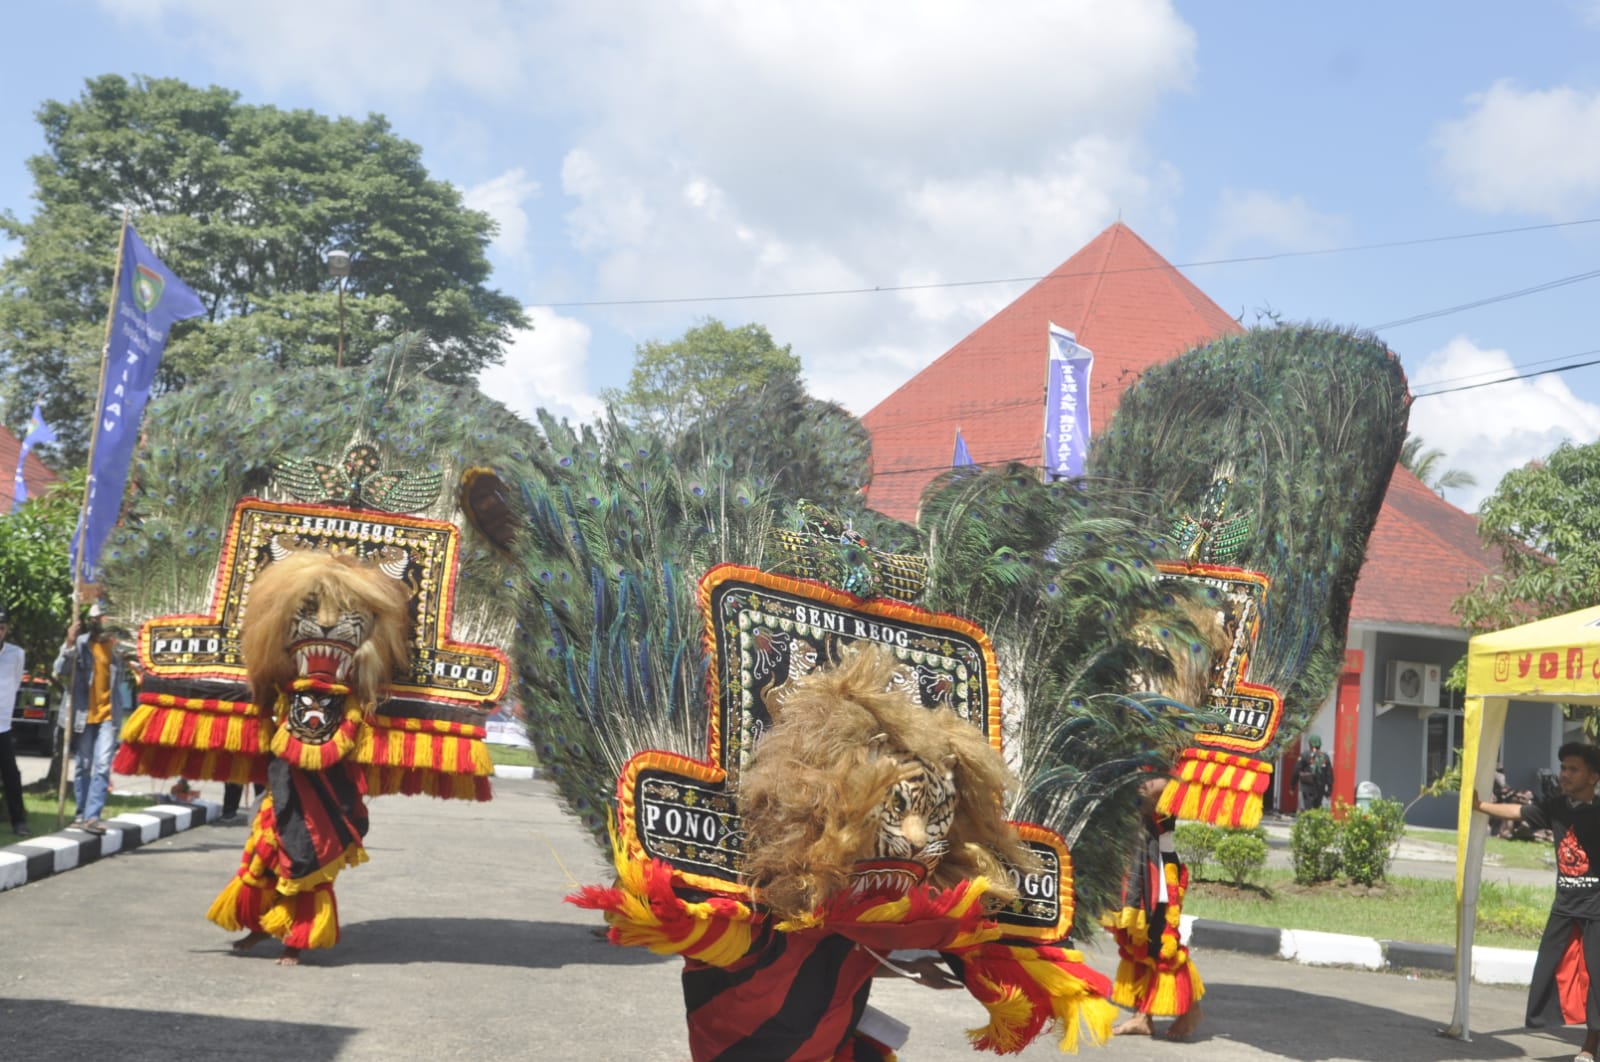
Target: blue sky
643 151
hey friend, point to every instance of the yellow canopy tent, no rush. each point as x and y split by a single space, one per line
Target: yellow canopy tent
1551 661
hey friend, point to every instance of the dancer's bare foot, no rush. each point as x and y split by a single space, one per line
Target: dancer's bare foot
244 944
290 957
1138 1025
1185 1024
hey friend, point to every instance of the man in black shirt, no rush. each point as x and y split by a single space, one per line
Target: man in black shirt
1571 942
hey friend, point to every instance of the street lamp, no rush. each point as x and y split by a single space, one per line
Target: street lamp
339 268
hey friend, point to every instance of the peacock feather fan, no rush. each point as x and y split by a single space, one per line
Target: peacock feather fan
617 529
1062 576
1307 423
218 440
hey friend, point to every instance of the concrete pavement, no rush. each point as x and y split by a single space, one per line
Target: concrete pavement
457 945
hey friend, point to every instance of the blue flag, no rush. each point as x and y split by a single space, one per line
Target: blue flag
38 432
1066 411
149 300
962 458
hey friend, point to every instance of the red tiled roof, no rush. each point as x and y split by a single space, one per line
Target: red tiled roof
1124 302
1423 554
1133 309
34 473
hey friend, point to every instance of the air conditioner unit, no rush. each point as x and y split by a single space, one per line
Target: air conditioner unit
1413 683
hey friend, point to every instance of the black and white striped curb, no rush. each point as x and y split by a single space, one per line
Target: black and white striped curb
39 857
34 858
1490 966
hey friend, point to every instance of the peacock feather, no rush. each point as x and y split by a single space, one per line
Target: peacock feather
1062 576
215 441
1277 444
616 530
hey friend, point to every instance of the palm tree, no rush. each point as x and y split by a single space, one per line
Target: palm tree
1426 464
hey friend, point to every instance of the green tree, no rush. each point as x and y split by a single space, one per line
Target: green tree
243 202
35 584
1544 521
1426 463
793 444
677 383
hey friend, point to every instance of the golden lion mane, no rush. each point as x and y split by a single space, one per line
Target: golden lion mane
808 801
340 583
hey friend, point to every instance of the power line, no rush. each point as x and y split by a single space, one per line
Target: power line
1491 372
1029 458
1513 379
1546 286
890 288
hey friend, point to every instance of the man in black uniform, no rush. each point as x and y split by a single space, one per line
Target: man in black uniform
1314 772
1571 941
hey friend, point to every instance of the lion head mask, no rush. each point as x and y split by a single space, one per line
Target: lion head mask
322 631
856 777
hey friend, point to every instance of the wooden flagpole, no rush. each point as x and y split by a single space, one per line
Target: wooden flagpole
66 712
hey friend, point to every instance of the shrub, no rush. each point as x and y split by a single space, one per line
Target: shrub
1511 909
1242 854
1366 842
1392 814
1197 844
1314 846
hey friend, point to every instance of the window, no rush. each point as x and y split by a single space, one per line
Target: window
1440 736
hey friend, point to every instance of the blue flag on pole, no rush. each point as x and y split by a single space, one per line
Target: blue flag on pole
149 300
1066 413
962 458
38 432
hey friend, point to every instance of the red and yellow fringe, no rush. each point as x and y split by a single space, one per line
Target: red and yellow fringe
1218 788
301 912
1024 987
425 756
1165 984
199 738
643 910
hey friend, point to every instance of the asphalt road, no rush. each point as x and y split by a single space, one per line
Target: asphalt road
457 946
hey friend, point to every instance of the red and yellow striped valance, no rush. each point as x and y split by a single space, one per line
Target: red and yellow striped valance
1218 788
425 756
226 741
202 738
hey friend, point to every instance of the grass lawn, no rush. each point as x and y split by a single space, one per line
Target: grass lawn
512 755
41 808
1409 909
1530 855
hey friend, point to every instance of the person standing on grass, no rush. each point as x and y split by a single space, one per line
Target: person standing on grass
12 666
1561 991
91 669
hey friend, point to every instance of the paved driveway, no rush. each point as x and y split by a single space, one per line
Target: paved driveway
457 946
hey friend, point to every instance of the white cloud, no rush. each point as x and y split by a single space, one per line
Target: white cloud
717 147
351 52
1524 150
737 148
1257 221
546 367
1489 431
502 198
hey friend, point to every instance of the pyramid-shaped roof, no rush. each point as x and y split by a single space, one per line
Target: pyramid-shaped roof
34 472
1133 309
1120 298
1423 554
